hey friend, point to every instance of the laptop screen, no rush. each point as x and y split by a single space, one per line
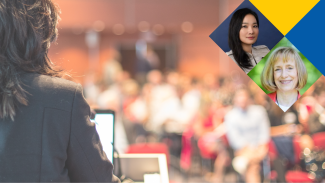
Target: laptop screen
136 166
104 120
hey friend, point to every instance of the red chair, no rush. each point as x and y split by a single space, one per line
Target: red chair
273 153
204 143
319 140
292 176
297 149
149 148
205 153
297 176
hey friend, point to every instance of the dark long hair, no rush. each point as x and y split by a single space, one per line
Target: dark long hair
27 28
235 45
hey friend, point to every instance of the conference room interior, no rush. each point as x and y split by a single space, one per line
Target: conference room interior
170 86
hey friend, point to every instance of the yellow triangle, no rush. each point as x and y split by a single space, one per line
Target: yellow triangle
284 14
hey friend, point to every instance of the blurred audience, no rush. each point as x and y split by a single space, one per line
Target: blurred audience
316 117
207 118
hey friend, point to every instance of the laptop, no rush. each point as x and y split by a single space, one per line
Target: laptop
104 120
143 168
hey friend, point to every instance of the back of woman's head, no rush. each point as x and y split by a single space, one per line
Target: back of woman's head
233 37
27 28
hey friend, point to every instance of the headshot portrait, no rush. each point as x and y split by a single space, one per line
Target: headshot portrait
246 36
285 74
243 33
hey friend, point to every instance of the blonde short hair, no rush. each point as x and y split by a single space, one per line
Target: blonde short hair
285 53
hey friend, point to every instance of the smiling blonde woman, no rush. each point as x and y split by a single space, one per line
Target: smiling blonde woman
284 74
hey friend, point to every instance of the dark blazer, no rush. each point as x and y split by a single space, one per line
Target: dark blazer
52 139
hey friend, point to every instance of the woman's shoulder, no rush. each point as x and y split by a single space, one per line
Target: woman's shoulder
260 51
51 91
48 82
261 47
272 96
229 53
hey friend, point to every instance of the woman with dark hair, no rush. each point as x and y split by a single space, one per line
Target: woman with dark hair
45 131
243 33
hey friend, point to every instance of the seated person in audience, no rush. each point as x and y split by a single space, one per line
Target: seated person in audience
248 134
284 127
316 120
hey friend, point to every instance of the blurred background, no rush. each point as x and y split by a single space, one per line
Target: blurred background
171 86
92 32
